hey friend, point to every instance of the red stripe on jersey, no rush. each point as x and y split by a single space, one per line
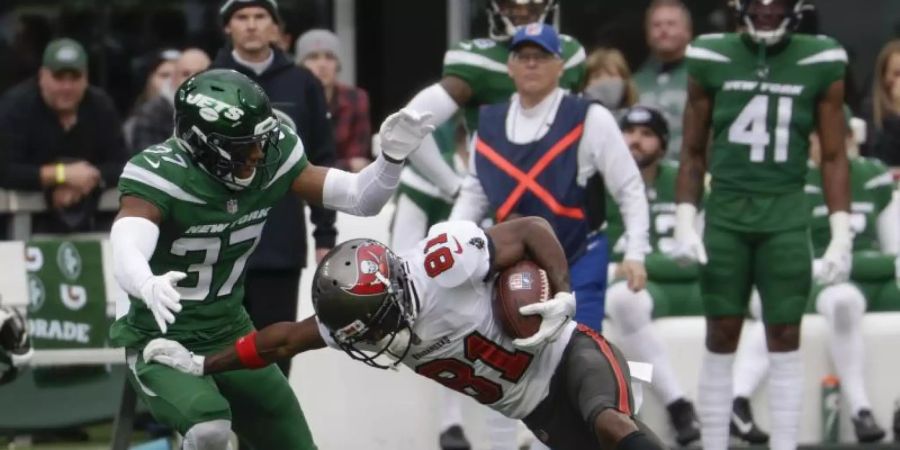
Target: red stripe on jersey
624 405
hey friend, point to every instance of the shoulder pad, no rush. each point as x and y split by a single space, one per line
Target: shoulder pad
468 251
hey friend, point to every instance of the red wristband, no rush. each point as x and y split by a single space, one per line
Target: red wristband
246 351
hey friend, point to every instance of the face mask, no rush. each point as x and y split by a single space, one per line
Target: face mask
608 92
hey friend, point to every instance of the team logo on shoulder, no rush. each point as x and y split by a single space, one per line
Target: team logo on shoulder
520 281
372 268
477 242
231 206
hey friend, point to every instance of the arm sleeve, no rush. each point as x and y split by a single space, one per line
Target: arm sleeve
611 157
472 203
319 141
133 240
427 159
363 193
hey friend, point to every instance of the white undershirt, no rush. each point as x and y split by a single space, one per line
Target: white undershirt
601 149
257 67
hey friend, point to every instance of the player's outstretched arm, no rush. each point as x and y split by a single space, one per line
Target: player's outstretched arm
366 192
530 238
258 349
133 239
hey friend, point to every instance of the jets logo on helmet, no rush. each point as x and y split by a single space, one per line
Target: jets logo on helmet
506 16
361 295
769 21
226 122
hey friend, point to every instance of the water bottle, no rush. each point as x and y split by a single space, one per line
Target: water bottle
831 408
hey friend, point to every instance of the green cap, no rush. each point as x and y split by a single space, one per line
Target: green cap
65 54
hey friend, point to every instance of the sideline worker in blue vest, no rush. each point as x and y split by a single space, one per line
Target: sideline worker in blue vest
551 154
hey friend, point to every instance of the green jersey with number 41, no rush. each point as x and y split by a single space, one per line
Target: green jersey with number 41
481 63
764 106
207 231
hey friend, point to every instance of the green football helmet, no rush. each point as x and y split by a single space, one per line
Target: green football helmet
770 21
222 117
361 294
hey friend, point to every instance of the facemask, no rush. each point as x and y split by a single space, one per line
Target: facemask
608 92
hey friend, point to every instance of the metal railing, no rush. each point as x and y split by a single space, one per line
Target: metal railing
21 205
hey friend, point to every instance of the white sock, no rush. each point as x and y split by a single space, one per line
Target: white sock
714 399
785 398
752 361
451 408
632 313
502 431
843 306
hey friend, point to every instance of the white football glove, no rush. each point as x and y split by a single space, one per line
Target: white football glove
835 263
161 297
402 132
688 246
174 355
555 314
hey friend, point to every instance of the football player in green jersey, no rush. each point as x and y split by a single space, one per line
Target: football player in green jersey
474 74
875 221
760 93
671 289
191 213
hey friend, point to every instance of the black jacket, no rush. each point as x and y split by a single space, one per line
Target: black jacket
296 92
882 142
31 136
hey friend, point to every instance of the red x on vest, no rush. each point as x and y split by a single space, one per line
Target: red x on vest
528 181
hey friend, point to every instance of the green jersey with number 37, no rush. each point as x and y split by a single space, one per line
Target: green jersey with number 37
207 231
764 107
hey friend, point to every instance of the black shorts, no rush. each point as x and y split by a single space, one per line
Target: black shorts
592 376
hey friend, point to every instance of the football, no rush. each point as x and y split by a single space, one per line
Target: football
522 284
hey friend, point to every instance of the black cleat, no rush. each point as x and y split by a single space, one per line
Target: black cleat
684 420
742 425
867 430
453 438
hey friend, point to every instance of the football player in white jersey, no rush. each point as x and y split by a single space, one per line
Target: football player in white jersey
430 309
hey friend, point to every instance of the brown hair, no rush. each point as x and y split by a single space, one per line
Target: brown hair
656 4
881 99
611 60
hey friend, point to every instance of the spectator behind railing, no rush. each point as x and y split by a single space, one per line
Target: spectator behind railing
882 109
159 69
155 119
662 80
318 51
609 80
62 137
